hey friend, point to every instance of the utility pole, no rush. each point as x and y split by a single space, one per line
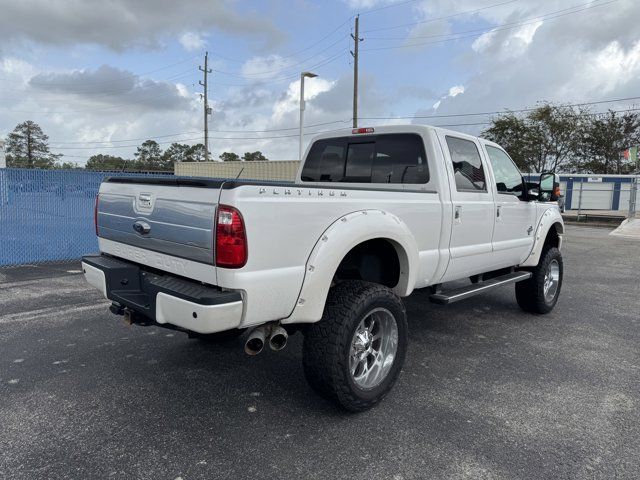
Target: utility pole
207 110
356 40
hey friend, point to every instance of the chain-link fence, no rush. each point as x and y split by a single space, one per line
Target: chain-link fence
605 193
47 215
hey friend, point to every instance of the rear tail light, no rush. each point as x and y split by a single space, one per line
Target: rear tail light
231 240
95 213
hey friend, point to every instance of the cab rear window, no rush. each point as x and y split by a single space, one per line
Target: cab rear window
391 159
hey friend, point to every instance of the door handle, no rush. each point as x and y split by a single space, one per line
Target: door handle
498 211
458 212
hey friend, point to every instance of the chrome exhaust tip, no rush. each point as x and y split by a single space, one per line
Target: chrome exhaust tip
278 338
255 341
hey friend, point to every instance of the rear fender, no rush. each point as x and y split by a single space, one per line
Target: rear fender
338 240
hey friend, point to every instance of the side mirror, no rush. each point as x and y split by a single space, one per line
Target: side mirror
548 187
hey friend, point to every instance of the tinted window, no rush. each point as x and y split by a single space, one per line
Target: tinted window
467 165
400 159
394 158
325 162
359 161
508 177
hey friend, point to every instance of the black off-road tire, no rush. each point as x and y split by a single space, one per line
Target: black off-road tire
530 293
327 344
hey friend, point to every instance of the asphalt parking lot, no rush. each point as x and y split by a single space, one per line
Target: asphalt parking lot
487 390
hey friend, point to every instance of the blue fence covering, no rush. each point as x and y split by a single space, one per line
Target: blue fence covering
47 215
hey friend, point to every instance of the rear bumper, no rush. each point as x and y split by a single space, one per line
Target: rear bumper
164 298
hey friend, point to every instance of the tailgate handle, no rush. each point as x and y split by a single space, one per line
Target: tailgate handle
142 227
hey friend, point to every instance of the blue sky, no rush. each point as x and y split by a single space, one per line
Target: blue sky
97 76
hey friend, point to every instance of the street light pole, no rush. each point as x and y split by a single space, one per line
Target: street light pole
303 75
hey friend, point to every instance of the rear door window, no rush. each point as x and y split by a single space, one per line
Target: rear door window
388 159
467 165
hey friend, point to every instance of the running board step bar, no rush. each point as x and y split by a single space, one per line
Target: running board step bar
444 298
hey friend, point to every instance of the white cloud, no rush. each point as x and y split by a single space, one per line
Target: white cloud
589 56
120 24
507 43
611 68
191 41
365 4
453 92
456 90
290 101
265 67
577 58
484 41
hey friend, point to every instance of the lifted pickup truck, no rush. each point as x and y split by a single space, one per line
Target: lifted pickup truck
373 215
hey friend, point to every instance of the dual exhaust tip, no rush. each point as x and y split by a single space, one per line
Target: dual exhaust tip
275 335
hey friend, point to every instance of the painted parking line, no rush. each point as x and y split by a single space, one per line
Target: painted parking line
51 312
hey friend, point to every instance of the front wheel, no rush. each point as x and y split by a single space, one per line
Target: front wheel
353 356
540 293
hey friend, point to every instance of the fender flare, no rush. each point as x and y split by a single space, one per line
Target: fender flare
551 218
336 242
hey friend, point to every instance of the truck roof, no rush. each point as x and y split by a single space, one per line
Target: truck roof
382 129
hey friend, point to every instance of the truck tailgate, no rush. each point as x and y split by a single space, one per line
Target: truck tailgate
171 216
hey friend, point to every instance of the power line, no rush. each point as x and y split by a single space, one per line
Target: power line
492 29
197 132
144 100
293 54
277 70
111 80
467 12
333 122
582 115
271 137
449 125
499 112
495 28
393 5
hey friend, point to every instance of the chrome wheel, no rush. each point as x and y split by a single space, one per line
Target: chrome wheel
551 281
373 348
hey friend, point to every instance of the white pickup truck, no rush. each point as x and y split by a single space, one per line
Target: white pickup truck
373 215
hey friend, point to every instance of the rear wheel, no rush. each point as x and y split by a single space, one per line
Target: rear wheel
353 356
540 293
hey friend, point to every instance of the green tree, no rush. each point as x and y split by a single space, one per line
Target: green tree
107 162
67 166
27 147
512 133
229 157
605 138
559 128
253 157
545 138
149 157
180 152
177 152
196 153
